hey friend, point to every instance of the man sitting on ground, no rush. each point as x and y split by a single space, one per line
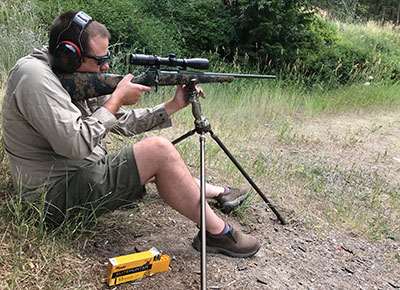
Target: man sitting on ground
57 146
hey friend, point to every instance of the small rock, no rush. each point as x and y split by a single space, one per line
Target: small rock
347 249
302 249
351 272
262 280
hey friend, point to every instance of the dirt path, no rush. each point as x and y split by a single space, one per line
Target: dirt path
292 256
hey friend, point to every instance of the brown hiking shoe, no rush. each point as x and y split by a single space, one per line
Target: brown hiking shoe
234 243
231 198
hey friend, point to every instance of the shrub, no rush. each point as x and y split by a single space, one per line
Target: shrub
273 32
358 53
201 25
127 22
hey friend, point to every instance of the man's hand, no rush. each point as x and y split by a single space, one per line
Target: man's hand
126 93
180 100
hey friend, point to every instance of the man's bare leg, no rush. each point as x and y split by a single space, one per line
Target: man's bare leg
156 156
211 189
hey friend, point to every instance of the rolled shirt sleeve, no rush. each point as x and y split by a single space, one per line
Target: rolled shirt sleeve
131 122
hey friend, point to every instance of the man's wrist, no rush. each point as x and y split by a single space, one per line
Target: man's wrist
171 107
113 104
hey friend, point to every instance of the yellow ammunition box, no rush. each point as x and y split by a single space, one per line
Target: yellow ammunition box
136 266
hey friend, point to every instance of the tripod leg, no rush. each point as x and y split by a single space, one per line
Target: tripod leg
203 213
244 173
184 136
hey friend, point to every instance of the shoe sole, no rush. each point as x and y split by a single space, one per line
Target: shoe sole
217 250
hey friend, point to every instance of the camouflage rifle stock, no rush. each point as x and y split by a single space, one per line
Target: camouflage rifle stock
83 86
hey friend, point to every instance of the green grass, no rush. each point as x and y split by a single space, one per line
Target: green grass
19 32
355 97
382 41
253 104
32 257
356 54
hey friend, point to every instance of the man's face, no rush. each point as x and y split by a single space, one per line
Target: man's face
98 50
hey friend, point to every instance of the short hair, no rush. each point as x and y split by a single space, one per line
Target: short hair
62 30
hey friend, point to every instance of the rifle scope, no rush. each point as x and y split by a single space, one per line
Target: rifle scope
171 60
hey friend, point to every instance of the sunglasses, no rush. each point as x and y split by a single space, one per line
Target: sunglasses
101 60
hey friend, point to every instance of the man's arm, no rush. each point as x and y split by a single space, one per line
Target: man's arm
47 107
136 121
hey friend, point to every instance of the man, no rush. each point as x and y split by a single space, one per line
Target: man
56 146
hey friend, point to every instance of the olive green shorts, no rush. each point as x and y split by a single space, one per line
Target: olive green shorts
99 187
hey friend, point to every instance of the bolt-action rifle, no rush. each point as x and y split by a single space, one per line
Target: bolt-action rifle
83 86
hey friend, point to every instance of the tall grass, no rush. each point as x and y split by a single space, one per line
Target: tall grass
355 97
380 45
355 54
19 32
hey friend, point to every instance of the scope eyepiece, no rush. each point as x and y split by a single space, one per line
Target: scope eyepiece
171 60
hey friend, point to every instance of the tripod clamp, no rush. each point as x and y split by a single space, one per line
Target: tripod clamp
201 124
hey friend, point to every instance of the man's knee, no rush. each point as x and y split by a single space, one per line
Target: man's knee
160 148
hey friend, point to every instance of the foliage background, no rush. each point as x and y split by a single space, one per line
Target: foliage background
362 10
289 38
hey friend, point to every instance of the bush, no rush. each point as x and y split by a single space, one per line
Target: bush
127 21
202 25
273 33
358 53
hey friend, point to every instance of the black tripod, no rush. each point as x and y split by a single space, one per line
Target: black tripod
202 126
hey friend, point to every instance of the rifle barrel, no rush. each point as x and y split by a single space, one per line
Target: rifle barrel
236 75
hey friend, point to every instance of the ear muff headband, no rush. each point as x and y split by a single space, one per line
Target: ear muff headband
68 54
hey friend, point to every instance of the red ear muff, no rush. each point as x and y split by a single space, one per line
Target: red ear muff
72 47
67 57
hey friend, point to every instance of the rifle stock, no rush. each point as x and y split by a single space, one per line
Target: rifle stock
81 86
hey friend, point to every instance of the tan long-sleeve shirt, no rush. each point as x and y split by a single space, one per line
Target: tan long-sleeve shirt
47 136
